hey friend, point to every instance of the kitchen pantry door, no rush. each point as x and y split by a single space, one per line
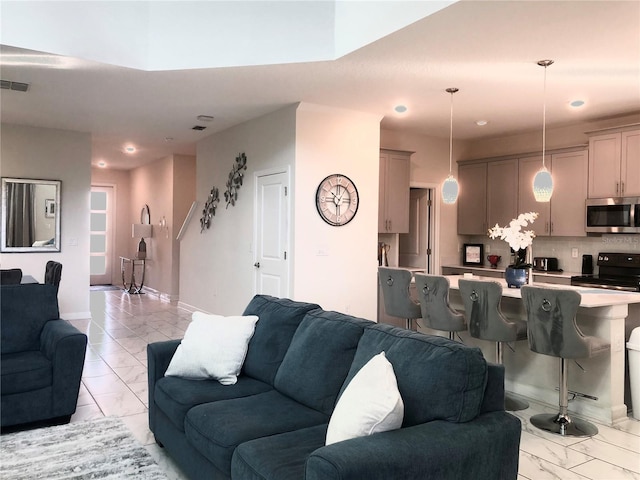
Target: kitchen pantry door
271 264
101 243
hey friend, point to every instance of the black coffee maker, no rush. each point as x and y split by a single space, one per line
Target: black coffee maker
587 264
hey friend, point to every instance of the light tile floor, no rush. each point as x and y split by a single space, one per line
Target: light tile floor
114 383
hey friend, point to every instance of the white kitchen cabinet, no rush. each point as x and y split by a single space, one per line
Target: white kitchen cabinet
502 192
393 199
564 214
472 199
614 164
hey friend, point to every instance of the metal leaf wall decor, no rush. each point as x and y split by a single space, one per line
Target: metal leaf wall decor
209 210
235 180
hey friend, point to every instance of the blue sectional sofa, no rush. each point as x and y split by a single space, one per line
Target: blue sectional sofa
42 357
272 423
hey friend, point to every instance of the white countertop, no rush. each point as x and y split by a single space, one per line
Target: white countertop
591 297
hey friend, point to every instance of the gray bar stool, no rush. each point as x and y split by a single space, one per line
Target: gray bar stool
433 294
486 322
395 284
552 330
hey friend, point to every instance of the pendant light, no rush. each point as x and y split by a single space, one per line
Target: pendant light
450 185
542 182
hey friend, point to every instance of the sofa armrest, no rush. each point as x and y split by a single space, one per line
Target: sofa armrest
486 447
159 355
65 346
493 400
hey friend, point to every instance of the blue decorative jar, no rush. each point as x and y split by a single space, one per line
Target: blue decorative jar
516 277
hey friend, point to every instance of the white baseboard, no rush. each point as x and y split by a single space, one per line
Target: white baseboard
75 315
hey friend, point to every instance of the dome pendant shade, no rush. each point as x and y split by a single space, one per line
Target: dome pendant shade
450 190
543 185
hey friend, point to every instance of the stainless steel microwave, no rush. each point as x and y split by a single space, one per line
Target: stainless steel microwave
613 215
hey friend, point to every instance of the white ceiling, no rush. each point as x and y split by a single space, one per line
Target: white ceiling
488 49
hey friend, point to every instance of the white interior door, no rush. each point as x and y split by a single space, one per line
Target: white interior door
415 247
272 234
101 242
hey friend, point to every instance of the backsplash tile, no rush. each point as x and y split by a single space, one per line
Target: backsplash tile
560 247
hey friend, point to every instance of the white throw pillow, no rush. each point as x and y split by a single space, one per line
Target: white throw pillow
213 347
371 403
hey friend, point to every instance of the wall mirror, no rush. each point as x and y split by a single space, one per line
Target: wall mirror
30 215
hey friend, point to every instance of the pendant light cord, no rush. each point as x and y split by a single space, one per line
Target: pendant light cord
544 116
451 90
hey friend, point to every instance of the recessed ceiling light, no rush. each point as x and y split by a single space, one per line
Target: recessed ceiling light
400 108
168 139
205 118
102 164
481 123
130 149
577 103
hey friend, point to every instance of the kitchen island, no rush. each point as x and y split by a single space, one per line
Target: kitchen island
607 314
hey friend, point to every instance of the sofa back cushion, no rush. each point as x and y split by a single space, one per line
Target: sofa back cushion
24 309
438 379
319 358
278 320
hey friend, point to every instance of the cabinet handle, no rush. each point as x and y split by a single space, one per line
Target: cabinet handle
551 230
546 227
617 188
390 226
622 189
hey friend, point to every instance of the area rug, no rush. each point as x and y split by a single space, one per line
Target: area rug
92 449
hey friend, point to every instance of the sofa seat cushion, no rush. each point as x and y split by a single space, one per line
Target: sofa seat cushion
279 320
318 360
175 396
438 379
281 457
25 372
216 429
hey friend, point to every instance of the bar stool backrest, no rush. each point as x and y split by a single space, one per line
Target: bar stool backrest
395 284
433 294
551 322
482 309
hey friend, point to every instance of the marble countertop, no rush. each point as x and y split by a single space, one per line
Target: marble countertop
591 297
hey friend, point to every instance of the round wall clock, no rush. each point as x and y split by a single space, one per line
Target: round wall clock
337 200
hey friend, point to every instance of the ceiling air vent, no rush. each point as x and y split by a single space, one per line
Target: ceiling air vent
17 86
198 127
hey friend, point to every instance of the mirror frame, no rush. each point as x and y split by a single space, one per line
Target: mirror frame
3 218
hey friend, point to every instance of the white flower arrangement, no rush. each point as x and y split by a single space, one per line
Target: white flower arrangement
517 238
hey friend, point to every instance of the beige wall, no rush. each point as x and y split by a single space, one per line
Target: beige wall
216 266
120 180
164 185
49 154
217 272
331 140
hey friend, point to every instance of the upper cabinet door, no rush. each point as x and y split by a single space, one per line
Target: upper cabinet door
502 192
604 165
393 207
528 167
630 166
472 206
570 173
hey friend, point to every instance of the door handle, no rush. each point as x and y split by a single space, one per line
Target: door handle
257 264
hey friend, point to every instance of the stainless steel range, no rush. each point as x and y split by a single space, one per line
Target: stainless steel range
617 271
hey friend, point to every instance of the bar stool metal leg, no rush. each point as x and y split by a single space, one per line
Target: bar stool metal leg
511 403
561 422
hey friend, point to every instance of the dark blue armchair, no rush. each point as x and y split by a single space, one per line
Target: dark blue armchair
41 357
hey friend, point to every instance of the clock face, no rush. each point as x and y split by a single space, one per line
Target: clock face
337 200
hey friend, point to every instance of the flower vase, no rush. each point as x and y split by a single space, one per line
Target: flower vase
516 277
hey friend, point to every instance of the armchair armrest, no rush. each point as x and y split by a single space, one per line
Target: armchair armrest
486 447
65 346
159 355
